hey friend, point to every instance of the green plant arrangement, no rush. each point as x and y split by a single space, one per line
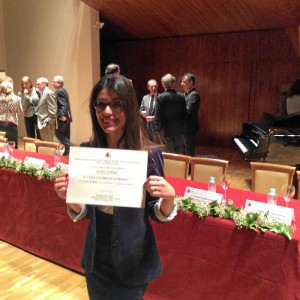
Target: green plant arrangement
243 219
253 221
30 170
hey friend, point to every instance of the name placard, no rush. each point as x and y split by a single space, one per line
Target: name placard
277 213
64 167
35 162
3 154
199 195
108 177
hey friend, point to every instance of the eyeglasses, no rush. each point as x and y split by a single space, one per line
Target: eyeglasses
117 105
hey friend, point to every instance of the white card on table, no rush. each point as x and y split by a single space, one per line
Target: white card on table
277 213
35 162
199 195
64 167
3 154
109 177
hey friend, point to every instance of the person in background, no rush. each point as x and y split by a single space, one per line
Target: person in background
10 106
30 99
170 112
290 100
64 116
191 122
6 78
112 69
147 108
120 255
47 109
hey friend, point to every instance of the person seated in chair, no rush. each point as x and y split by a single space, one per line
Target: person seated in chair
290 100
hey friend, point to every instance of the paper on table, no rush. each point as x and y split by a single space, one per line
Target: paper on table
199 195
3 154
277 213
36 162
109 177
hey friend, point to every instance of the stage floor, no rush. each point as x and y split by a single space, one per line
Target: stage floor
239 169
280 153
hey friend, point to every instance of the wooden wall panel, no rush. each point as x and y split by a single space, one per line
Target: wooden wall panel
269 83
239 75
224 109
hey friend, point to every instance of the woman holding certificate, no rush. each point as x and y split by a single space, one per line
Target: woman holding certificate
120 255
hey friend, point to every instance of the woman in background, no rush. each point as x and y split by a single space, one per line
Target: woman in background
120 255
10 106
6 78
30 99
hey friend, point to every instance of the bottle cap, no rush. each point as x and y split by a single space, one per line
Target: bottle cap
272 190
212 178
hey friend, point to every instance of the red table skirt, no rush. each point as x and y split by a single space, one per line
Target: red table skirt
202 258
212 259
35 219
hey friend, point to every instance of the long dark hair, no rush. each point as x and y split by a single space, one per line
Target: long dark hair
132 138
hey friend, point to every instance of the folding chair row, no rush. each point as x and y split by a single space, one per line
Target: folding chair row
38 146
178 165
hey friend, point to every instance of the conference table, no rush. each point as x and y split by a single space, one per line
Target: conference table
207 258
34 218
211 258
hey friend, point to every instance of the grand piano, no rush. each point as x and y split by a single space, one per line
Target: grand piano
255 138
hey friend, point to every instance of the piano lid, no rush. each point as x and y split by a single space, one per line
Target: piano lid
266 122
291 121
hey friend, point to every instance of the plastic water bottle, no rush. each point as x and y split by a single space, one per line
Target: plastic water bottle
6 150
212 184
57 157
272 198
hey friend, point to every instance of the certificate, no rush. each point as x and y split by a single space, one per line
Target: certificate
109 177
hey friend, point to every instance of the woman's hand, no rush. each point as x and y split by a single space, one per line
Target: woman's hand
61 185
157 186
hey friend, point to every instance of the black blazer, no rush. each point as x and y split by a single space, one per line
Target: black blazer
134 251
63 104
170 112
191 122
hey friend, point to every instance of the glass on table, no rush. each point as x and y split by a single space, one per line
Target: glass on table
288 192
59 151
11 145
61 148
225 181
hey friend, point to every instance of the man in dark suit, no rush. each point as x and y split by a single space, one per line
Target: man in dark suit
147 108
170 113
64 116
191 122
